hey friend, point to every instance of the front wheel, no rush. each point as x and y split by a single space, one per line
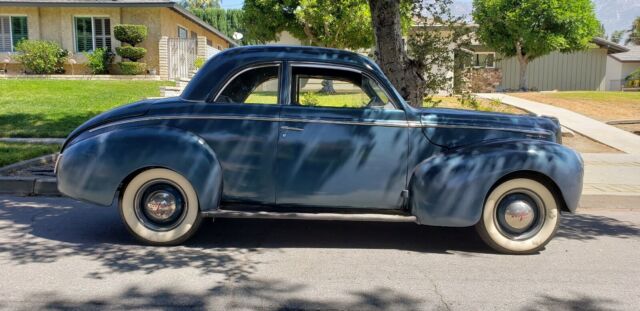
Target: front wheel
520 216
160 207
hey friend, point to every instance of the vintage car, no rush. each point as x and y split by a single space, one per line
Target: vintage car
314 133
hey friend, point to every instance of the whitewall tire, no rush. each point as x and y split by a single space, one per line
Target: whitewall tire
520 216
160 207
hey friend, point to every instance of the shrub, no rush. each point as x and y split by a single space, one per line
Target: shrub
131 52
198 63
131 34
41 57
99 60
309 99
132 68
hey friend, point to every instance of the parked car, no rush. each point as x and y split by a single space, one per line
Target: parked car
313 133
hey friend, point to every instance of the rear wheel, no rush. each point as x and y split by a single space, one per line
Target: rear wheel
160 207
520 216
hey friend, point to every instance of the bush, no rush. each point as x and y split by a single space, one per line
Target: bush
132 68
198 63
132 34
99 60
41 57
131 52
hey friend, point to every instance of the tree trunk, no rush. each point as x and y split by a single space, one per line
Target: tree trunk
405 74
523 74
327 87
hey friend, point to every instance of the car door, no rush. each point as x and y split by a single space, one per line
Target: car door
241 125
342 142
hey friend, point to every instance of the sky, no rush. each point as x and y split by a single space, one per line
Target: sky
614 14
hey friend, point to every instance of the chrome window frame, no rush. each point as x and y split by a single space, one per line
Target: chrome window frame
332 66
242 70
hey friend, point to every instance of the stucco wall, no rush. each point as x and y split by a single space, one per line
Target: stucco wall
171 19
56 24
149 17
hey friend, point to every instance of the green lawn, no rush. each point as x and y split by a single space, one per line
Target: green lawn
53 108
16 152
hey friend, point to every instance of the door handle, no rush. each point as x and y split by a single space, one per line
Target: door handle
290 128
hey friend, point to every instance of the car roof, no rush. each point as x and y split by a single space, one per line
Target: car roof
222 65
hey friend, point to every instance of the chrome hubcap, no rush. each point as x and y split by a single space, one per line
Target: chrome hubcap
161 205
519 214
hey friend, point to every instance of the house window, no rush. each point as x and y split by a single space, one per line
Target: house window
484 60
194 35
182 33
12 30
92 33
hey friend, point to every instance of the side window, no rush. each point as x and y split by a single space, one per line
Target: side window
255 86
321 87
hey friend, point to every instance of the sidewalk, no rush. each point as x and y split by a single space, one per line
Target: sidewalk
611 174
596 130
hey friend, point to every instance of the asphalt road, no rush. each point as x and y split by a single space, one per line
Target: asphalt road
59 253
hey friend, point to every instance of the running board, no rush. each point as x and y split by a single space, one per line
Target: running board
309 216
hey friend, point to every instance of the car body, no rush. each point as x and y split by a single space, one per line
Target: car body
255 130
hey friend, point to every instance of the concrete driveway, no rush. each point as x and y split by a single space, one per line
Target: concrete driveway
61 254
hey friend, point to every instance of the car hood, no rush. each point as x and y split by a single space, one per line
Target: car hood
453 127
127 111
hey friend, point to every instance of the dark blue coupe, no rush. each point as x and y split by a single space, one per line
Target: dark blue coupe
312 133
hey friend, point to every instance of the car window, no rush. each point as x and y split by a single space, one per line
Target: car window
254 86
320 87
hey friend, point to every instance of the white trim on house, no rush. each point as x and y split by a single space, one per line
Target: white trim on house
484 53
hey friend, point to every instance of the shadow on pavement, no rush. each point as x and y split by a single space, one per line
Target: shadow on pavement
578 302
257 294
589 227
46 230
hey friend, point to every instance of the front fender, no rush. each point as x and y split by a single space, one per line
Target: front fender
449 189
94 168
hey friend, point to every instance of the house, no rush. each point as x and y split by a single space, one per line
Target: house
621 65
581 70
80 26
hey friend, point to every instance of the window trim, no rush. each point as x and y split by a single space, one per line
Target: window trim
93 31
337 67
186 30
11 29
242 70
484 53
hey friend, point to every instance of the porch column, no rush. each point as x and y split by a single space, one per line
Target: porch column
163 50
201 47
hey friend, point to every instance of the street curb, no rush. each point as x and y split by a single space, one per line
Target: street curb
27 163
47 186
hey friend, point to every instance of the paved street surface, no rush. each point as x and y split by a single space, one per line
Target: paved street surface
59 253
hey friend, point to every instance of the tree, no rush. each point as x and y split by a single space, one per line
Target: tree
528 29
200 4
343 24
616 36
417 69
634 32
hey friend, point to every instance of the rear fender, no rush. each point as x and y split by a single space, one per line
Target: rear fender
93 169
449 189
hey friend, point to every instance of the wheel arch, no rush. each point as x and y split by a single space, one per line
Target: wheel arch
96 168
449 189
539 177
